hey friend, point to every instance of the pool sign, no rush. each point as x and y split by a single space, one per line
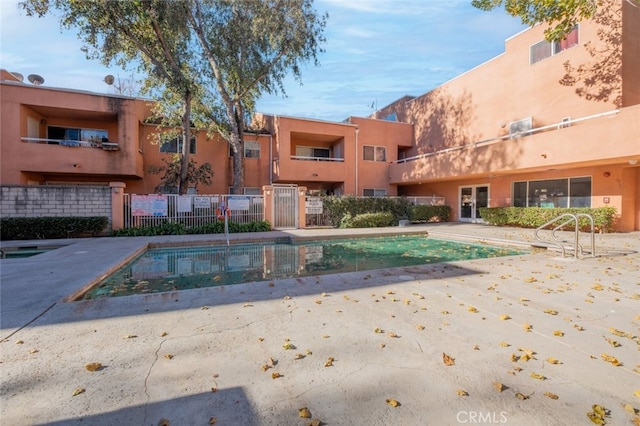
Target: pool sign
313 206
202 202
149 205
238 202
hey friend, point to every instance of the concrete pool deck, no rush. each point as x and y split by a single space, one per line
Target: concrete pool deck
215 353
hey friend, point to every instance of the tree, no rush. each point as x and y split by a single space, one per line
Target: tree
217 56
150 33
250 46
562 16
171 173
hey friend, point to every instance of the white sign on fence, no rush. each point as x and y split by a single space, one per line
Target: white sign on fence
238 203
313 206
202 202
184 204
149 205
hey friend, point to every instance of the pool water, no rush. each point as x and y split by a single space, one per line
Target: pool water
170 269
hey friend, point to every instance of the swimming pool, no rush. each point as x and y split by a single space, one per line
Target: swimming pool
180 268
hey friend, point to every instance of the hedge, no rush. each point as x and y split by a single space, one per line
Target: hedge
38 228
604 218
174 228
427 213
367 220
338 207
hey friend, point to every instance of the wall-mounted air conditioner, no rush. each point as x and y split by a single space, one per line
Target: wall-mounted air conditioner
521 127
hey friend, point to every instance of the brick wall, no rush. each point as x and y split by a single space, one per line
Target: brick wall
40 201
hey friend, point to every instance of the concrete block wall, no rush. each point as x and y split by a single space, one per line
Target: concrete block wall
57 201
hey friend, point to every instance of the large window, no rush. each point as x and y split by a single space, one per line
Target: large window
374 192
312 152
374 153
545 49
94 136
174 145
572 192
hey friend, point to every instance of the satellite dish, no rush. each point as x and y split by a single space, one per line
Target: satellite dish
35 79
109 79
19 76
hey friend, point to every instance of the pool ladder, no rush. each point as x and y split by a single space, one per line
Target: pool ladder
562 244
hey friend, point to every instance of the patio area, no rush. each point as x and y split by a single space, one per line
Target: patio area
529 339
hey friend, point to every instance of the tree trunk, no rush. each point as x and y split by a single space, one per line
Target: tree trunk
238 159
183 185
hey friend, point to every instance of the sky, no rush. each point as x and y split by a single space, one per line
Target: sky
376 52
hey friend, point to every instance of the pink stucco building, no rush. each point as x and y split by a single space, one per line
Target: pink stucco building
543 124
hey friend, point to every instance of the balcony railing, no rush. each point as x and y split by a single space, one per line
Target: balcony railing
304 158
107 146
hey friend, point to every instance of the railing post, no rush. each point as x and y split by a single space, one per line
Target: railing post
302 212
117 205
267 206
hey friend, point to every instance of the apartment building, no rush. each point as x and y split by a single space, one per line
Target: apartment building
543 124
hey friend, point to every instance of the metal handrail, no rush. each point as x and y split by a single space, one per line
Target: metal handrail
557 240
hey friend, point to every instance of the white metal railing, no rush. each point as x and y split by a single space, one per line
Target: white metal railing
189 210
303 157
491 141
107 146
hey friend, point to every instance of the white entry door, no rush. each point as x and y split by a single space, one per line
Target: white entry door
472 198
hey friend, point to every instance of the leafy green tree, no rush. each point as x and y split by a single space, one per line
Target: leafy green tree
215 56
561 15
171 172
153 34
249 47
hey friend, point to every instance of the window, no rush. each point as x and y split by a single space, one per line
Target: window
545 49
174 145
374 192
313 152
251 149
572 192
252 190
374 153
73 134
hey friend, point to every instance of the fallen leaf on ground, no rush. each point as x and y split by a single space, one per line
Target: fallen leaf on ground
78 391
498 386
276 375
558 333
611 359
304 413
553 361
504 317
551 395
329 362
392 402
168 356
472 309
538 376
462 392
521 396
94 366
527 327
448 360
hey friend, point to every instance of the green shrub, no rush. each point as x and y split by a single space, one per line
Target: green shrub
426 213
367 220
174 228
338 207
38 228
604 218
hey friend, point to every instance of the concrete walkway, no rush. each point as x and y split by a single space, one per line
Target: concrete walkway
517 333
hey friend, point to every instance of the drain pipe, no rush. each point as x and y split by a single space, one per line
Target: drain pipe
356 191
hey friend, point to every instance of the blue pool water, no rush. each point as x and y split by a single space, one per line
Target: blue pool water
170 269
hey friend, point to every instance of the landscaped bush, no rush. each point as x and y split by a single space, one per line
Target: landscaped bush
532 217
338 207
38 228
367 220
174 228
426 213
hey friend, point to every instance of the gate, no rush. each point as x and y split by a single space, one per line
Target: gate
285 207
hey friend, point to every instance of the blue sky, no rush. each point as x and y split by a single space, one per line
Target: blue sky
376 52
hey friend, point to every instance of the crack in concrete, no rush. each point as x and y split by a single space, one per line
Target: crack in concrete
146 388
